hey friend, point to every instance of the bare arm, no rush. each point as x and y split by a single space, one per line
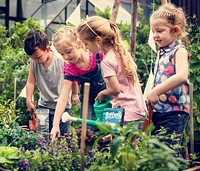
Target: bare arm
75 97
30 84
182 71
113 89
60 108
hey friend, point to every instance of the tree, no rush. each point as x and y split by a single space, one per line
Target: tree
115 10
133 27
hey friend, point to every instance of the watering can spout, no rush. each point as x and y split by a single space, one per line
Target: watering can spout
66 118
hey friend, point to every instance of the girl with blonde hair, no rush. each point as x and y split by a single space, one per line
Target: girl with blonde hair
83 66
118 67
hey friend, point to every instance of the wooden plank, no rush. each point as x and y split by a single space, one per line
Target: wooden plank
84 126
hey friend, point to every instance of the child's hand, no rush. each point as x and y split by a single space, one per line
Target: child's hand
152 98
75 99
31 106
55 131
101 97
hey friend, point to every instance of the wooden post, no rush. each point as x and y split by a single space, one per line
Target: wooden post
83 130
115 10
133 27
191 120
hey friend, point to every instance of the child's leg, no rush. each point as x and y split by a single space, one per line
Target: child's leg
174 122
137 125
90 115
64 127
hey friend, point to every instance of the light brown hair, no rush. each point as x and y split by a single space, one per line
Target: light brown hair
174 17
109 32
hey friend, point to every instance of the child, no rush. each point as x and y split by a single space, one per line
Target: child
46 70
83 66
118 67
170 93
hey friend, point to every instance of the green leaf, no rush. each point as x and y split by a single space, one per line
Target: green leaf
195 66
198 56
115 144
198 119
172 166
198 35
3 160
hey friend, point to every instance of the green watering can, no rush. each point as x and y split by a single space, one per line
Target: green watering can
98 109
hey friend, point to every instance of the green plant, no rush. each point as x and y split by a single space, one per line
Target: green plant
13 135
106 13
194 49
7 112
3 39
134 150
63 154
19 31
9 157
14 63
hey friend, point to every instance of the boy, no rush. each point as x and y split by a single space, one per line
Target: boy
46 71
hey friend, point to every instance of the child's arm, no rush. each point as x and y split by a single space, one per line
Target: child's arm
60 108
113 89
30 85
75 97
181 76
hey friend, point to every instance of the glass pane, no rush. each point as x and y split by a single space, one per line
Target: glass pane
48 11
29 7
2 19
2 3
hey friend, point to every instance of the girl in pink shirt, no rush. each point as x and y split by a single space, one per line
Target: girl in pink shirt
83 66
118 67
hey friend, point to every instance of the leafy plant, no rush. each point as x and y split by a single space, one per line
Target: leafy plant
7 112
14 63
9 157
63 154
134 150
194 49
13 135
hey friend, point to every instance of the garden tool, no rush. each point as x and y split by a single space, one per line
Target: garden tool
66 117
148 120
98 108
33 121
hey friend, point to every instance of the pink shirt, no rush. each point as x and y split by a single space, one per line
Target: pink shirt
72 69
130 98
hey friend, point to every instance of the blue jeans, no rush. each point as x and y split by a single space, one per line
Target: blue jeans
91 115
174 122
135 126
63 126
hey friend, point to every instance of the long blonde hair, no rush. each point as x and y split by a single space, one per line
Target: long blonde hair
109 32
173 16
